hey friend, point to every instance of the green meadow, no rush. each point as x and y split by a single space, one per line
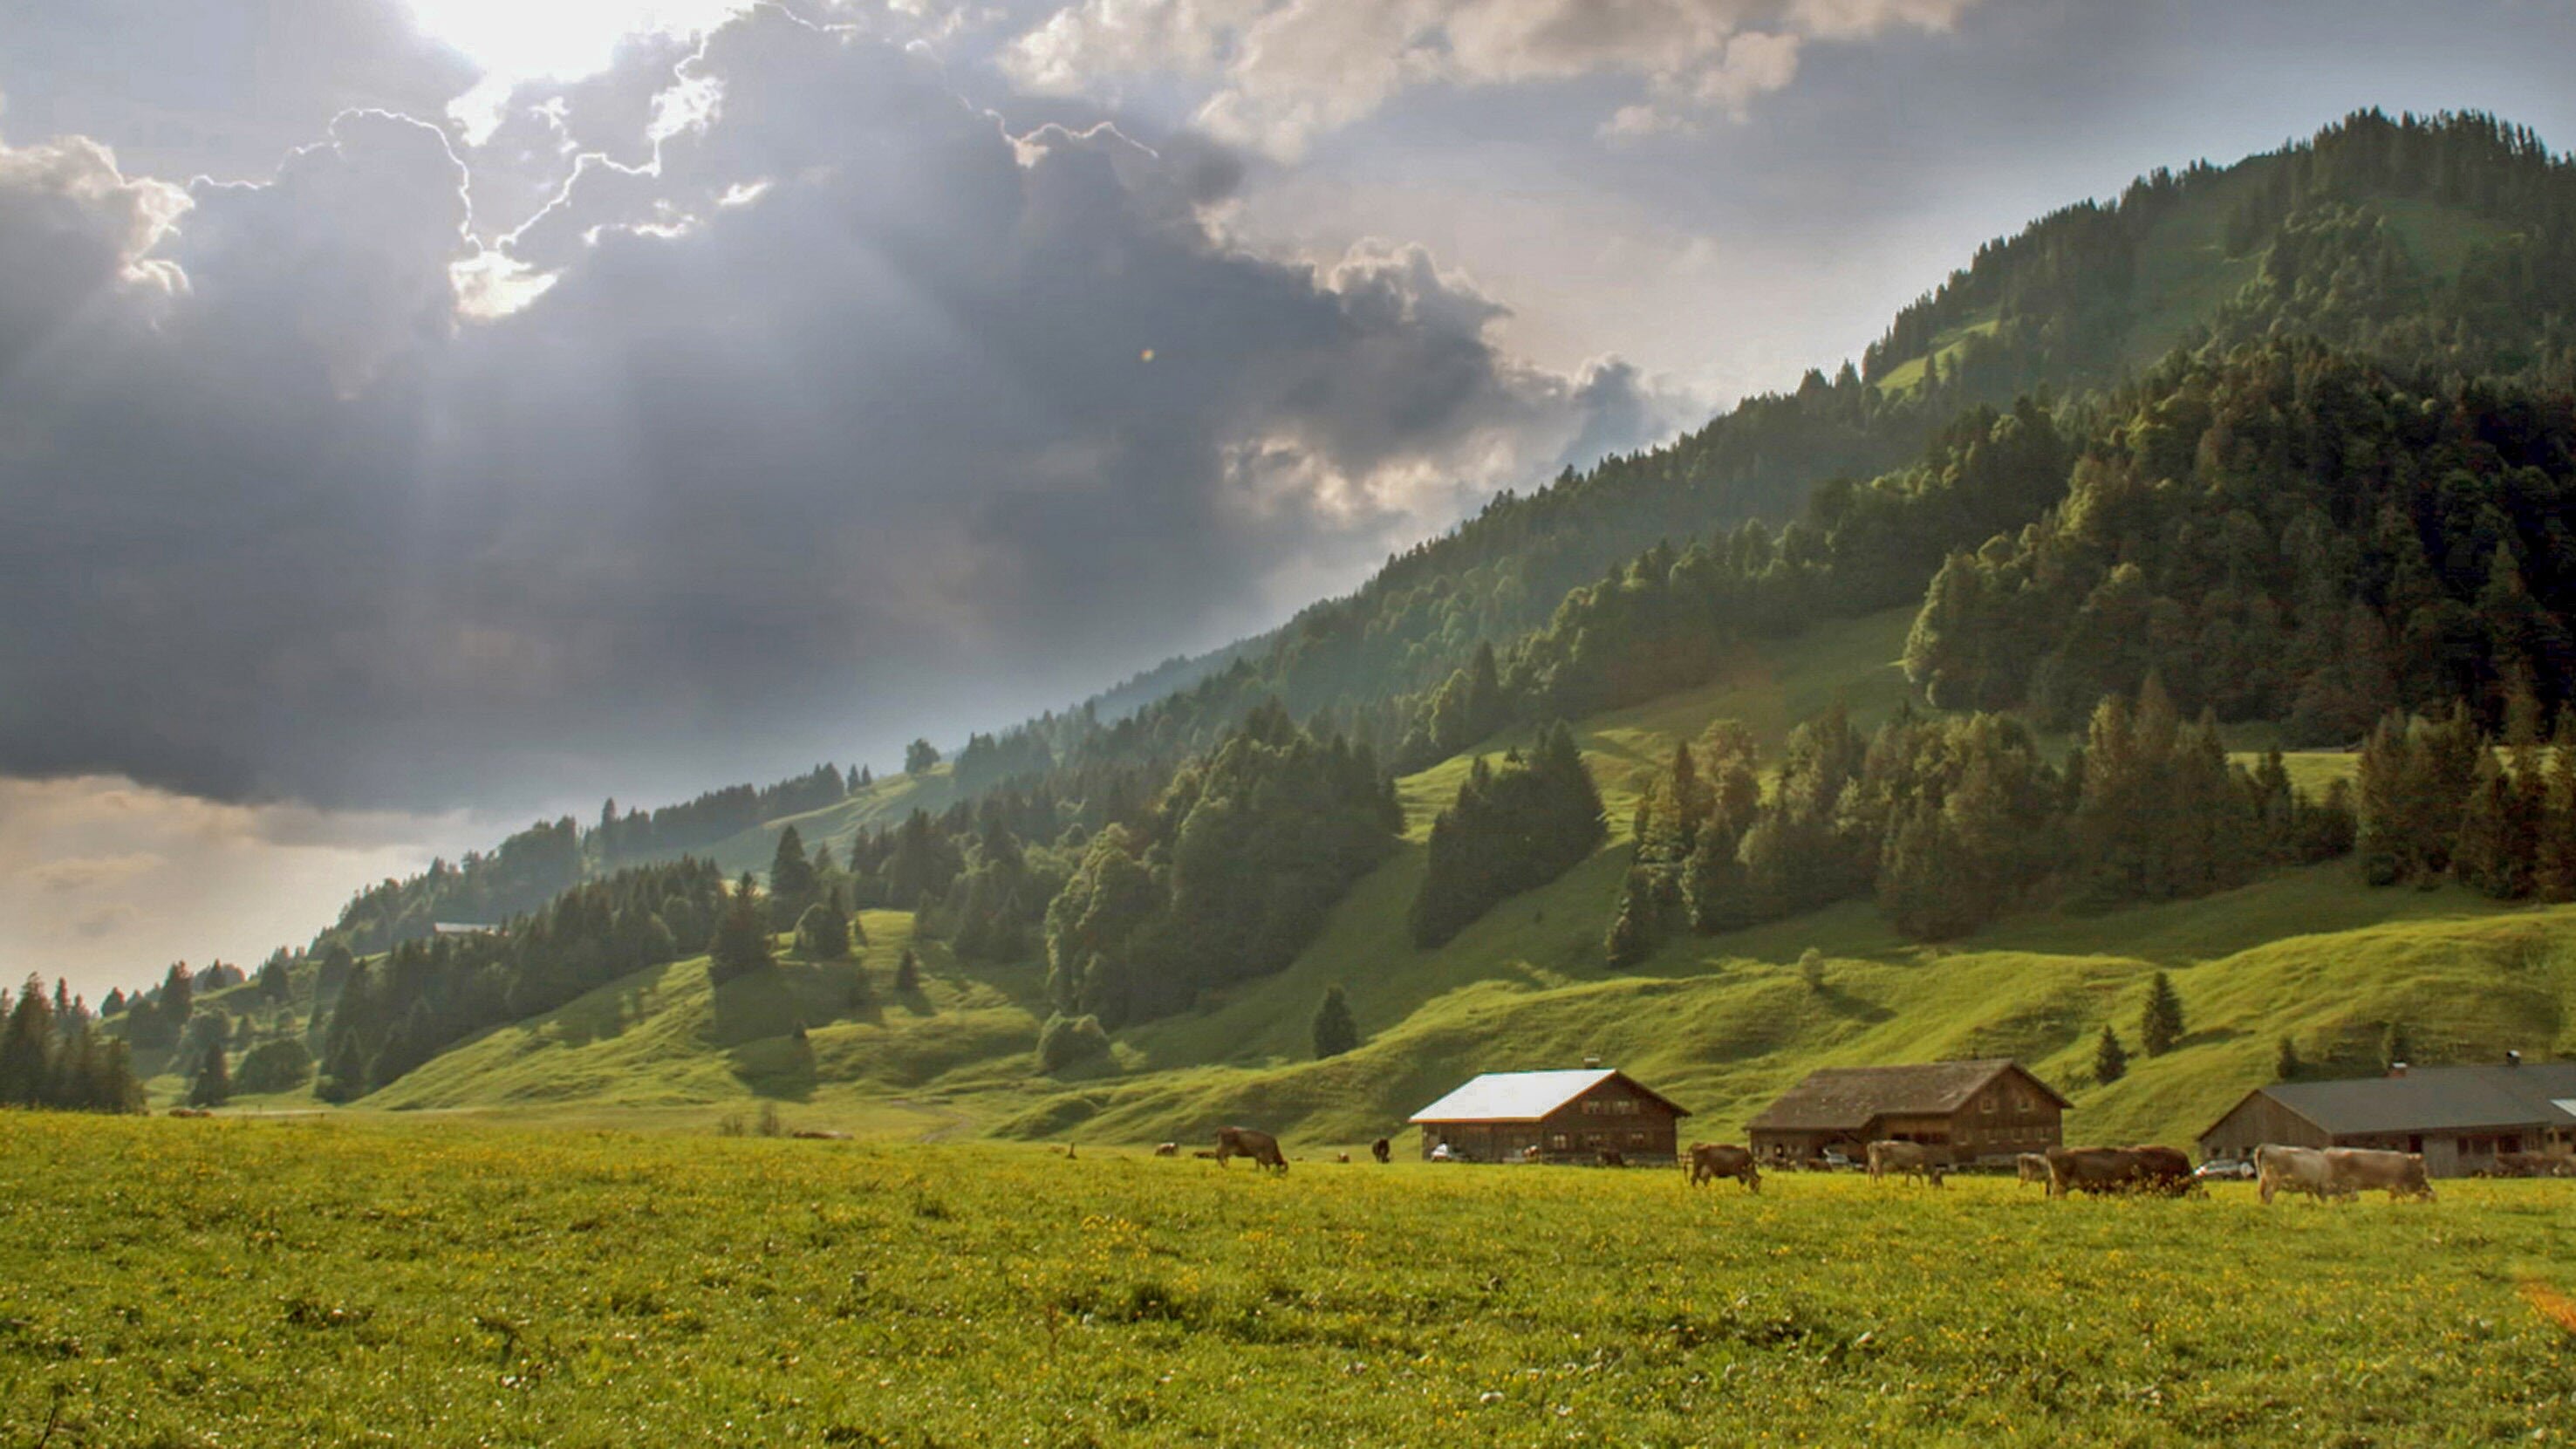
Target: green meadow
348 1282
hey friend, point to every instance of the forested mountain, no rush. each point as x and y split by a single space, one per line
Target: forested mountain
2288 442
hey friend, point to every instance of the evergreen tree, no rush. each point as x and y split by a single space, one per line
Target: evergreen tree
2394 1049
823 933
2160 1024
791 879
1631 936
213 1084
2110 1059
26 1048
920 758
1333 1029
907 972
2286 1065
741 943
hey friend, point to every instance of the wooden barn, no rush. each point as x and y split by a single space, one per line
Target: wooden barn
1991 1108
1567 1115
2458 1117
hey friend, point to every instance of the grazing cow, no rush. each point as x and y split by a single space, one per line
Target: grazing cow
2355 1170
1710 1161
1612 1157
2534 1164
1168 1149
1911 1159
1260 1146
1341 1157
2167 1170
1203 1152
1382 1150
2032 1166
1532 1153
2294 1169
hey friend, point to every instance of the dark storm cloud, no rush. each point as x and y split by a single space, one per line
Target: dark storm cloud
836 419
218 87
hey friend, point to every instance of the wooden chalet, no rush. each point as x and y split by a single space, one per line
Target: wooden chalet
1566 1115
1991 1108
2458 1117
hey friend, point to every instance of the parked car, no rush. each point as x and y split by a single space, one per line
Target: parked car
2224 1169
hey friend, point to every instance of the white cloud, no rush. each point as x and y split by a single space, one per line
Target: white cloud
1281 73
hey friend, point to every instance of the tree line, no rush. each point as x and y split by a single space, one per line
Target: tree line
53 1056
1948 823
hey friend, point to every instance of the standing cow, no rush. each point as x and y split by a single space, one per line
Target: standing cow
1911 1159
2032 1167
1382 1150
1710 1161
2279 1169
2355 1170
1260 1146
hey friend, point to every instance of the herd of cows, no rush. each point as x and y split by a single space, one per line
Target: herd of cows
2330 1174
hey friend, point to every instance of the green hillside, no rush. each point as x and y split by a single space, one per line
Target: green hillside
1721 1022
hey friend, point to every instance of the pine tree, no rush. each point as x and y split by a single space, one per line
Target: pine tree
1630 937
2110 1059
741 942
791 879
2286 1065
2160 1024
2394 1049
823 933
907 972
213 1085
1333 1029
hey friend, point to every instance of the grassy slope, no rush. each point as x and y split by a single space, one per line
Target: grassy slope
1723 1023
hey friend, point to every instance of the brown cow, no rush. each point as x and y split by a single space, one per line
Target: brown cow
2534 1164
1168 1149
2279 1169
2167 1170
2118 1169
1710 1161
2356 1170
2032 1167
1612 1157
1341 1157
1911 1159
1382 1150
1260 1146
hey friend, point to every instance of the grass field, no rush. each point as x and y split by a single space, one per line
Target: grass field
169 1283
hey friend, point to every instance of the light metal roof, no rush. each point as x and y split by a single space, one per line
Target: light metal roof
1523 1096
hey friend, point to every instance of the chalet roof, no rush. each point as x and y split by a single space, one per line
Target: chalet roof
1848 1099
1526 1096
2434 1099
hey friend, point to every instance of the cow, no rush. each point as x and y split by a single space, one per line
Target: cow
1911 1159
1710 1161
1532 1153
1382 1150
2534 1164
1168 1149
2355 1170
1341 1157
1260 1146
2032 1167
2167 1170
2294 1169
1612 1157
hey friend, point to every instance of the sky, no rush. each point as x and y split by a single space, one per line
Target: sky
418 417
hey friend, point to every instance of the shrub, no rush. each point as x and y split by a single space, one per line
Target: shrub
275 1066
1070 1040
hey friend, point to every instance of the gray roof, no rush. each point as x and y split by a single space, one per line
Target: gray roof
1524 1096
2435 1099
1848 1099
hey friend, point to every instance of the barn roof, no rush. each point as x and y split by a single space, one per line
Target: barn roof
1848 1099
2433 1099
1526 1096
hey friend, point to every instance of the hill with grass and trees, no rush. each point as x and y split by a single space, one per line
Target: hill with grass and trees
2149 661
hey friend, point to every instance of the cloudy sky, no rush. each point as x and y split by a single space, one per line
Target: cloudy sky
420 415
